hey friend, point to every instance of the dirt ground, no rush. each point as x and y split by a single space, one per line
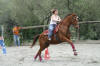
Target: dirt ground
60 55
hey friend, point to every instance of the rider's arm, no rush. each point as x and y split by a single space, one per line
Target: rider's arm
13 30
59 18
54 19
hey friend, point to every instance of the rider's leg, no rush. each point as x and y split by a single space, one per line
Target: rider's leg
54 26
51 27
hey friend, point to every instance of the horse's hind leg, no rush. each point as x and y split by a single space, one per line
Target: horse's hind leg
43 44
36 56
42 47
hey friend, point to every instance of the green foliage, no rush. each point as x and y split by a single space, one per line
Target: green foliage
33 12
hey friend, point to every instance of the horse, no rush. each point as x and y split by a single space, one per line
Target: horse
63 34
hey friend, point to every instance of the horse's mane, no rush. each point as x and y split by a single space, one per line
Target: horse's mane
67 16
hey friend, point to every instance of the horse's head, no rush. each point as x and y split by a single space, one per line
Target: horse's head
74 20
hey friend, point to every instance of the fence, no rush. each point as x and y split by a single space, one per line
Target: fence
78 35
87 30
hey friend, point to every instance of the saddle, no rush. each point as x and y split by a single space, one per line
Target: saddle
54 32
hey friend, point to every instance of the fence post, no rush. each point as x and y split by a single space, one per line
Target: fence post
2 31
78 34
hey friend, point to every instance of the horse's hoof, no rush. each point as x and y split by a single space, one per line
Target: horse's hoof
75 53
34 59
40 59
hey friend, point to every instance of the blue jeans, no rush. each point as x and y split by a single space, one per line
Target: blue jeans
2 44
51 28
16 40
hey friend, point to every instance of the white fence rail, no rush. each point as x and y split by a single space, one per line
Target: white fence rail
39 26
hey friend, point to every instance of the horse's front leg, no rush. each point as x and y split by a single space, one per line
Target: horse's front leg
72 45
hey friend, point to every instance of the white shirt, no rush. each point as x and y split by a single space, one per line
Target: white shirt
54 19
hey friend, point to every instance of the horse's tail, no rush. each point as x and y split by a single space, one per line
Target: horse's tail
35 39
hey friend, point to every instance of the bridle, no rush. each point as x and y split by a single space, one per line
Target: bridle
74 18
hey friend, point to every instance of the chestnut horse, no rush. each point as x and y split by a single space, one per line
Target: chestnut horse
63 35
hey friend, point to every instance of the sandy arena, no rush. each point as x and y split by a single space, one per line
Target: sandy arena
60 55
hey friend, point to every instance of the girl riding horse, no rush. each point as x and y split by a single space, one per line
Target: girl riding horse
63 35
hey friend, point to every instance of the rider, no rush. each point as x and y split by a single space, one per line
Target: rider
53 22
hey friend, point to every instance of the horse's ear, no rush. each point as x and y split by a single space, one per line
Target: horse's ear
73 14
